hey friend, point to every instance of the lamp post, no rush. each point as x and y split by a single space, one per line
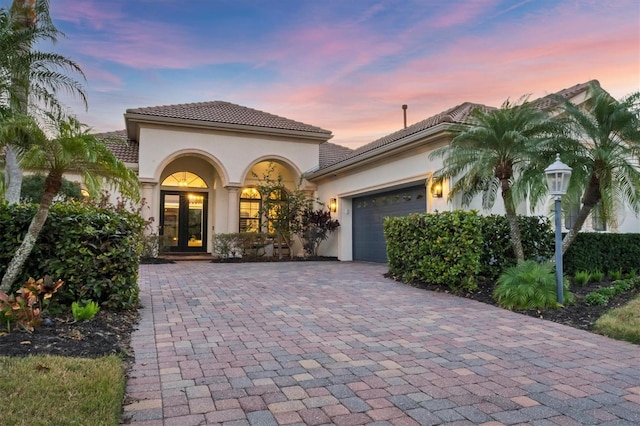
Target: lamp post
558 176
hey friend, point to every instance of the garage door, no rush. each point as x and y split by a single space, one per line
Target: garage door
369 213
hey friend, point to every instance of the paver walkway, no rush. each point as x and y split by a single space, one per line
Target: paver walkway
337 343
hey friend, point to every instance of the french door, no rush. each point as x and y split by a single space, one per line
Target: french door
183 221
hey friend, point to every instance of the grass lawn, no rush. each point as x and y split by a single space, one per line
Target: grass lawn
621 323
50 390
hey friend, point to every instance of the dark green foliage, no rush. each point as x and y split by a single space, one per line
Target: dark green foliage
603 251
615 274
529 285
33 187
497 251
94 251
597 275
316 227
442 248
582 277
602 295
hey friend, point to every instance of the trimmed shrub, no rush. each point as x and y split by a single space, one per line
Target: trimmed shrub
530 285
440 248
606 252
497 250
95 251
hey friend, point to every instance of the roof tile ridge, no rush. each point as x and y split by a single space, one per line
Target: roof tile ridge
152 107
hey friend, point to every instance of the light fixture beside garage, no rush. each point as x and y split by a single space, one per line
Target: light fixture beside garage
436 189
333 205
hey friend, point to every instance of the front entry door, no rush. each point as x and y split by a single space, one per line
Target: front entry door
183 221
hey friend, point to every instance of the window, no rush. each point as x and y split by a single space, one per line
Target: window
597 218
250 205
184 180
571 214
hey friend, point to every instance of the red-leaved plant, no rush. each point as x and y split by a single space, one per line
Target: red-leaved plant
25 308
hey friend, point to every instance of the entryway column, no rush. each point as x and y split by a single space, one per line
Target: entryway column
148 205
233 208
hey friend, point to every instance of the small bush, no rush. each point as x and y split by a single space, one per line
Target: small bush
595 299
632 273
615 275
227 246
530 285
437 248
582 277
602 295
25 308
497 249
597 276
84 312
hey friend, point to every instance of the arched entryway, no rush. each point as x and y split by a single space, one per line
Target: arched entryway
186 196
183 213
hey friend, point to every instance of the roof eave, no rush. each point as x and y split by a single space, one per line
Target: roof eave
132 131
396 146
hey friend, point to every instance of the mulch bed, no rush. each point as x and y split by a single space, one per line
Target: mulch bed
577 315
110 332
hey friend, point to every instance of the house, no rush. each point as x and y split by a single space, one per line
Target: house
199 163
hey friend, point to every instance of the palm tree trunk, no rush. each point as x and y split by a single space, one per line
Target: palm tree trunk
13 176
591 198
512 218
26 17
52 186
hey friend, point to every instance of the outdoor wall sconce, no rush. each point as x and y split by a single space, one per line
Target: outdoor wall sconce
436 190
333 205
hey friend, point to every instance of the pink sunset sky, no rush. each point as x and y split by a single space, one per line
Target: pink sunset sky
346 66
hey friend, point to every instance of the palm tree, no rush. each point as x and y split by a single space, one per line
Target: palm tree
16 129
30 80
74 149
604 153
490 155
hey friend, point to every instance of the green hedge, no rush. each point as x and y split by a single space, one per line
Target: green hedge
442 248
497 250
455 248
605 252
94 251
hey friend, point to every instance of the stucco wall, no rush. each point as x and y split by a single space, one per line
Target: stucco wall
232 153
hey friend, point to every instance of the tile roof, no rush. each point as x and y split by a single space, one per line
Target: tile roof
124 150
550 101
226 112
455 115
331 153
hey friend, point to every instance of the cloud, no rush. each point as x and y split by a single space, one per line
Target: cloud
349 68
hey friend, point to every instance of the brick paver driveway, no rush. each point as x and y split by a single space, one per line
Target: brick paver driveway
337 343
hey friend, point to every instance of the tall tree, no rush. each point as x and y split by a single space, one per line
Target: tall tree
604 153
488 156
74 149
30 80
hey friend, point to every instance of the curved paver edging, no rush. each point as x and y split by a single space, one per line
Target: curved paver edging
317 343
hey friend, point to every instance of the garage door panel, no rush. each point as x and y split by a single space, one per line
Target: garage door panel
368 218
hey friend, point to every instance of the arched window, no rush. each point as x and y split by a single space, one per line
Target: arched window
184 180
250 206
